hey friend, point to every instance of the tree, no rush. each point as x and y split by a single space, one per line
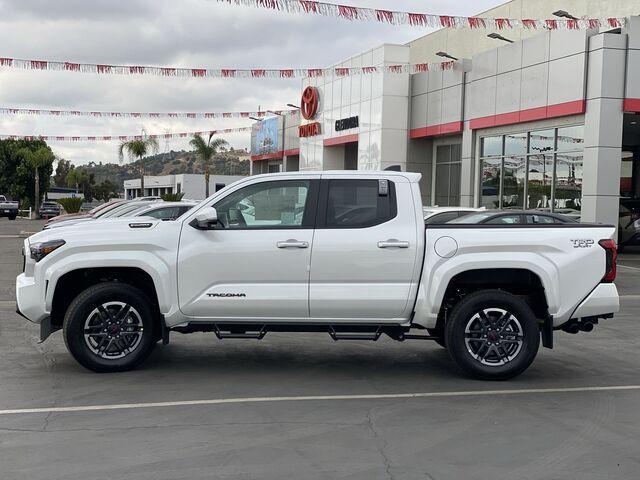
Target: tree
37 160
106 190
139 149
82 180
17 179
206 150
62 170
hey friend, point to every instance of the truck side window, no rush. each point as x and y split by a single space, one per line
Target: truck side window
278 204
359 204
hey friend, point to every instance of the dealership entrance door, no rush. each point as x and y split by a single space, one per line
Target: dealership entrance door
343 156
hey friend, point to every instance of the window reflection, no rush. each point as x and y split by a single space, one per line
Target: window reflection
538 170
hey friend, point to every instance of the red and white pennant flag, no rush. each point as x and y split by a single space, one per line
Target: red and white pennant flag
284 73
121 138
425 19
100 114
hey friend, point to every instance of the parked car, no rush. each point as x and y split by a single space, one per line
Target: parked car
117 287
437 215
629 223
49 209
514 217
117 209
8 209
81 214
166 211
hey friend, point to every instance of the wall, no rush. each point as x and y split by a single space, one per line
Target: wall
464 43
380 101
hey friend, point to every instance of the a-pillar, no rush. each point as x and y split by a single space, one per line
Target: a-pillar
603 128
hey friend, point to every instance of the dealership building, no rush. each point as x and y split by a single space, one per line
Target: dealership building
548 121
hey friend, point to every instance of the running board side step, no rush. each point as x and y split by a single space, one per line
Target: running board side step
373 336
257 331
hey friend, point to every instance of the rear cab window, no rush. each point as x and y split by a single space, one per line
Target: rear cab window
357 203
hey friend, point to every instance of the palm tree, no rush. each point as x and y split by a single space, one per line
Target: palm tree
139 149
36 159
206 150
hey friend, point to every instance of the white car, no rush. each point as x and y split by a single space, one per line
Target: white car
439 215
345 253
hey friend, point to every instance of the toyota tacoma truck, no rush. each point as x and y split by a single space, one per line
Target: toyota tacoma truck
8 209
346 253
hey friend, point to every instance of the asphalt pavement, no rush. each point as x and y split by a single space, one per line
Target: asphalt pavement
301 406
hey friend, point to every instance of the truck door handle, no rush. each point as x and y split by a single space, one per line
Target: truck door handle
292 243
393 243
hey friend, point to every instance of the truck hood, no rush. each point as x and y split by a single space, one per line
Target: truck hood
105 231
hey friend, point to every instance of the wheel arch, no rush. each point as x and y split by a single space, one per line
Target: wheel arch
439 294
71 283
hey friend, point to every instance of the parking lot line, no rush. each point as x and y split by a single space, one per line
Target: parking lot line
320 398
627 266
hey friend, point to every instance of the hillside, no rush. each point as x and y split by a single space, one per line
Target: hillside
232 162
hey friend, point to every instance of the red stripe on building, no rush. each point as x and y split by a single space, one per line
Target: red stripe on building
528 115
434 130
280 154
328 142
631 105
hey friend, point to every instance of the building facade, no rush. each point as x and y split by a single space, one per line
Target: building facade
547 122
192 185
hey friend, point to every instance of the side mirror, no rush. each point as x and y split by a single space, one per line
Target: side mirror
205 219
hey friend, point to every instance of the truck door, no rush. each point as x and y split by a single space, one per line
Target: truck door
364 249
255 263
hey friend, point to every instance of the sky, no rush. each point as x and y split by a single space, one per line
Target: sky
185 33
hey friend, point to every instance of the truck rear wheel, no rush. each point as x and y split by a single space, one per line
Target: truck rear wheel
110 327
492 335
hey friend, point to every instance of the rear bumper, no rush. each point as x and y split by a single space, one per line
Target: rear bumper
603 300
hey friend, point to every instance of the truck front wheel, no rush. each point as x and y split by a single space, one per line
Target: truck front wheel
492 335
110 327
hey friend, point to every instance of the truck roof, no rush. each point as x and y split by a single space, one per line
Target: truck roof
411 176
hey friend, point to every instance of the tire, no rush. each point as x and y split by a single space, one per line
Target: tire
492 335
12 218
437 332
103 335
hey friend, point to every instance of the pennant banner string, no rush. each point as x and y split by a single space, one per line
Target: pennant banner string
347 12
122 138
203 72
101 114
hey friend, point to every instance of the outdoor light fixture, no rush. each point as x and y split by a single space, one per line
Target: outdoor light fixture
293 106
497 36
564 14
446 55
256 119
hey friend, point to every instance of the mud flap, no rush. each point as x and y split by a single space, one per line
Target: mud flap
547 332
46 329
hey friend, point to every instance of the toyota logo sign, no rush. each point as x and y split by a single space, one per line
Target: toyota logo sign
309 104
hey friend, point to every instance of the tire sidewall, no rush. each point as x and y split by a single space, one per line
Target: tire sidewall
85 303
464 311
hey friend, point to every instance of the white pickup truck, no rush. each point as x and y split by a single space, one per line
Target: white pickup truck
8 209
345 253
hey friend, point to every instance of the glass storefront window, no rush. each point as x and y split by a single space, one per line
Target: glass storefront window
513 179
568 194
491 146
570 139
515 144
542 141
491 172
539 170
540 179
448 170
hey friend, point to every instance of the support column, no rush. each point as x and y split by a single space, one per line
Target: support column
603 128
468 169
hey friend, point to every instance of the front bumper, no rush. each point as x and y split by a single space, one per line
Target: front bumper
30 299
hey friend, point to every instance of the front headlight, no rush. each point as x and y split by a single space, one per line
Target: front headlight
42 249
